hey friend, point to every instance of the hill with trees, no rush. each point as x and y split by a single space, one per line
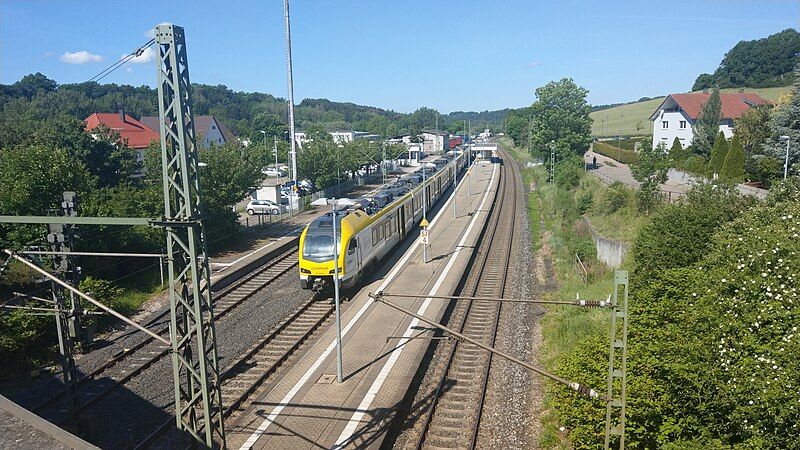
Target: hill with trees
759 63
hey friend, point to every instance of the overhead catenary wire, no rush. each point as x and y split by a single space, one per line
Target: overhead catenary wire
110 69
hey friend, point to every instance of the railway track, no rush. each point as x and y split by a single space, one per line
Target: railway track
254 369
130 362
453 418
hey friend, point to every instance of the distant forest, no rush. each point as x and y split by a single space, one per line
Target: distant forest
37 97
759 63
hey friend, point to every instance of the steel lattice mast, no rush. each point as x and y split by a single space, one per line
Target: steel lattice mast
198 404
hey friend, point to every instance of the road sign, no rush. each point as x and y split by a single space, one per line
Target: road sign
425 236
424 224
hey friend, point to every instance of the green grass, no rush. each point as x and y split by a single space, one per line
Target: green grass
624 118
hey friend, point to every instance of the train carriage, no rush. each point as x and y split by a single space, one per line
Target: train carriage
363 238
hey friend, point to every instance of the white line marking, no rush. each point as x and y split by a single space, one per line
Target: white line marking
363 407
304 379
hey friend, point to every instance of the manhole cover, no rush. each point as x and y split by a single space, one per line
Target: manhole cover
326 379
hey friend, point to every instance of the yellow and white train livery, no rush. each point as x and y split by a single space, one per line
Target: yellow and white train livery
367 231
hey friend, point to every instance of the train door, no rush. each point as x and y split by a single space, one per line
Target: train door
401 220
352 260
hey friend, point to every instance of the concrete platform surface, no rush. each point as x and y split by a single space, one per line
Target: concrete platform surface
308 408
22 429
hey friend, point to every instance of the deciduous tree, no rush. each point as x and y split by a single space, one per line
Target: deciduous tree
561 114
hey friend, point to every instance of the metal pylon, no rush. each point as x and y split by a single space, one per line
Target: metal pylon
198 403
617 363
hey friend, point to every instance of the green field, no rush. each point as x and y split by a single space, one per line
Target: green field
623 119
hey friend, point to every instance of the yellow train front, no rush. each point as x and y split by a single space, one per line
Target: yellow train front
316 249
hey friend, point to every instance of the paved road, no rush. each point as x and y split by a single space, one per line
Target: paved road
678 182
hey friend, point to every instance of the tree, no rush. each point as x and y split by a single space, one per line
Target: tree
32 180
718 154
677 153
704 81
752 128
785 121
651 171
733 167
758 63
561 114
707 125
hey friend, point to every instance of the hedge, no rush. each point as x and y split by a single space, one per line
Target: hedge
616 153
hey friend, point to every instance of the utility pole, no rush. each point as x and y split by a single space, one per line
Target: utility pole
68 319
552 161
290 84
198 401
275 152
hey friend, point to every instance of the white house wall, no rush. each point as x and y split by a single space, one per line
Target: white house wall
213 135
668 135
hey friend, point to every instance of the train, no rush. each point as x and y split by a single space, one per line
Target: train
372 226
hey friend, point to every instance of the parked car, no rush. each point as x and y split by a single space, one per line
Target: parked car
262 207
273 172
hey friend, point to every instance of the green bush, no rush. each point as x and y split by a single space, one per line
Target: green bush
718 153
615 153
694 164
733 167
617 196
585 201
569 173
679 234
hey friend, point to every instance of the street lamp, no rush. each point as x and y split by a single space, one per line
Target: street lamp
335 204
425 208
786 163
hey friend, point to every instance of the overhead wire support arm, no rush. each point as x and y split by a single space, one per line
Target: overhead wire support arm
84 296
580 303
579 388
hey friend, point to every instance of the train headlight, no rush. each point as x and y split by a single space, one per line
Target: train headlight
304 271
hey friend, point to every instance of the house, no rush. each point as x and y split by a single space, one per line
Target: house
455 142
209 129
677 114
348 136
415 153
133 133
300 138
435 142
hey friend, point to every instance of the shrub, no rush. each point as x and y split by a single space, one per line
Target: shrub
733 167
718 153
678 235
615 153
617 196
763 168
695 164
677 153
585 201
569 173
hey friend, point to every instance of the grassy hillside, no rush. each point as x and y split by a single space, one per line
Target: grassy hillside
623 119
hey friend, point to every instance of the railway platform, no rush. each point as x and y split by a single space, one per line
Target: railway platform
382 347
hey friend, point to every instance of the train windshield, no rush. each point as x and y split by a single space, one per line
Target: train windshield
318 247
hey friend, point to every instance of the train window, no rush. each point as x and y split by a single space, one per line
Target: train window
374 235
352 247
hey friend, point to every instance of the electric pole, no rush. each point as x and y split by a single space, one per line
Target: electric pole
290 84
198 401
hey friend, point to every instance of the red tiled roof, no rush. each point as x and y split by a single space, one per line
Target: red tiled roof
133 132
733 104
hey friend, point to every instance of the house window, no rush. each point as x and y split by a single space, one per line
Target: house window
683 124
664 124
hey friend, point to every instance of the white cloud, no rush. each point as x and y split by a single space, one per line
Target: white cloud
147 56
532 64
129 69
150 34
81 57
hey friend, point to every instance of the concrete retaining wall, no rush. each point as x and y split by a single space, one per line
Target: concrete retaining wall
610 251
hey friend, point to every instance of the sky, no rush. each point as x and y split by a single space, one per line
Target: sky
450 55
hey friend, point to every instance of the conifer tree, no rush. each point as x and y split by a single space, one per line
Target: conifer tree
718 154
733 167
785 121
707 125
676 153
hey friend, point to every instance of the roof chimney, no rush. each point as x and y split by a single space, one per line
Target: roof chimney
122 114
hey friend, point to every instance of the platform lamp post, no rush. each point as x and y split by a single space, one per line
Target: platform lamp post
425 211
334 204
786 162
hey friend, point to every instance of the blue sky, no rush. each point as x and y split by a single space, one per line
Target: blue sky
401 54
